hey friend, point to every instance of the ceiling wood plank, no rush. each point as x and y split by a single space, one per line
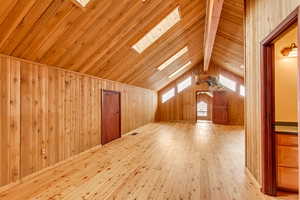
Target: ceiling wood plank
98 41
25 27
228 49
213 15
14 18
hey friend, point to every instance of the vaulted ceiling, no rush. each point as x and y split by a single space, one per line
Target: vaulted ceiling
98 39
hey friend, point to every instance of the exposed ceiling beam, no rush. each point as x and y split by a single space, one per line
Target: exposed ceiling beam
213 15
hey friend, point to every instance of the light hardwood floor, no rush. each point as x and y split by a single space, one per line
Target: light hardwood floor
164 161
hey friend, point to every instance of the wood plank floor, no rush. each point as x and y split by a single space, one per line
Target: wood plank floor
164 161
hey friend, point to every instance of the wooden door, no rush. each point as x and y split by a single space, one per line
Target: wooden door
111 116
220 108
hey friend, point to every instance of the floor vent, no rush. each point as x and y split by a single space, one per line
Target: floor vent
135 133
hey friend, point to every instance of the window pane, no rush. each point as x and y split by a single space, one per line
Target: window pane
184 84
202 109
168 95
230 84
242 90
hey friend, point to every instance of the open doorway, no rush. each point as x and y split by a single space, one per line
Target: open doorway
280 91
204 105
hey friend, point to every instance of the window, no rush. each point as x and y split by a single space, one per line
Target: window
173 58
202 109
226 82
83 3
168 95
160 29
184 84
242 90
180 69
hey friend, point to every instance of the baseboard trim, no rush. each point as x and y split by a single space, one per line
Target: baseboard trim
253 179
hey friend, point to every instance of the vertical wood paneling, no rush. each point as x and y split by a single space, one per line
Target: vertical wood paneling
261 18
9 121
49 115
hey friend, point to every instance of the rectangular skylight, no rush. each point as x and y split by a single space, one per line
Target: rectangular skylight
173 58
83 3
160 29
180 69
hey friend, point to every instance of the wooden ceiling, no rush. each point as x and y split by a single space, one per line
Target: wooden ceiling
229 45
97 40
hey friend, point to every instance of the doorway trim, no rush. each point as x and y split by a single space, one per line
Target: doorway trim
102 115
268 159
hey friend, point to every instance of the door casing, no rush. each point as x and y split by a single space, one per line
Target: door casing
269 185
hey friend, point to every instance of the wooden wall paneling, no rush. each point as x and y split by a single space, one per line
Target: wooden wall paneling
14 147
270 13
9 121
49 115
53 116
61 114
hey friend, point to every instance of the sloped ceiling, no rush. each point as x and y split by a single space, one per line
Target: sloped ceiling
228 50
97 40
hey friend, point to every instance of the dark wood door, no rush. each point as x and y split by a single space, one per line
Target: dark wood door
220 108
111 116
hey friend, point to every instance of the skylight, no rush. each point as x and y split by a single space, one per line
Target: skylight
173 58
242 90
168 95
184 84
230 84
83 3
180 69
160 29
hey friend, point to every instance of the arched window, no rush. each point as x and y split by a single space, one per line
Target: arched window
202 109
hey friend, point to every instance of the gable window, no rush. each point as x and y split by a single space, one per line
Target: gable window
184 84
202 109
242 90
160 29
168 95
228 83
